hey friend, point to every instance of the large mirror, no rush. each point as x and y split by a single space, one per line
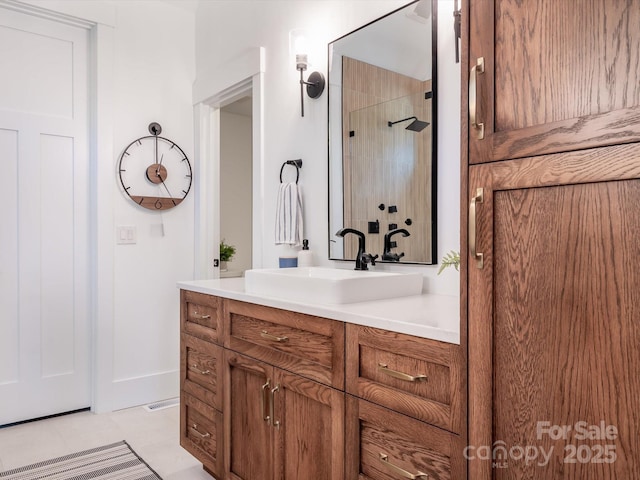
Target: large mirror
382 137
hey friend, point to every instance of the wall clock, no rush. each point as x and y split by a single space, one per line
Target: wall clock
154 171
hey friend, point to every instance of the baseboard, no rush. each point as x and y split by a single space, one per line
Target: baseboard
131 392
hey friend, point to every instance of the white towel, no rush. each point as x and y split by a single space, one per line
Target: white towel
289 215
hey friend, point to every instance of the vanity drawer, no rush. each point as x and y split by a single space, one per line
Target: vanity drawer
201 432
412 375
385 445
200 374
201 315
309 346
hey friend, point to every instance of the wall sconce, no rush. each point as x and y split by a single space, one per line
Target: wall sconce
315 82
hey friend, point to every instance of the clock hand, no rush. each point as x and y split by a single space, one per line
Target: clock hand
159 164
165 187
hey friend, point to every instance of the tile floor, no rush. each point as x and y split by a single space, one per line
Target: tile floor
153 435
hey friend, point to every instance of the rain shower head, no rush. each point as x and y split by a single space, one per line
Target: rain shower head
415 126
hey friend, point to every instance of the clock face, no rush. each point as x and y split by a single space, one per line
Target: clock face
155 173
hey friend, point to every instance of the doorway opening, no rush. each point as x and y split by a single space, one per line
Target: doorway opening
236 173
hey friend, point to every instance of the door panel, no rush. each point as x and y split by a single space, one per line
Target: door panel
309 442
248 452
556 344
44 264
567 74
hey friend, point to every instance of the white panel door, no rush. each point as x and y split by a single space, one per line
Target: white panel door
45 360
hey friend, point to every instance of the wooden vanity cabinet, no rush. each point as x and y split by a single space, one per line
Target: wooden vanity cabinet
553 270
268 402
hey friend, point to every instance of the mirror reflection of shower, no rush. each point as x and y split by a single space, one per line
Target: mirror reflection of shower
415 126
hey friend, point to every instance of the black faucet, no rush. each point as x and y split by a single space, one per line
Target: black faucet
386 254
362 258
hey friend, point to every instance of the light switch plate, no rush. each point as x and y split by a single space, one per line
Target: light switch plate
126 234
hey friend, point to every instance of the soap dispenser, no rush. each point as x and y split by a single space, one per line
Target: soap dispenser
305 256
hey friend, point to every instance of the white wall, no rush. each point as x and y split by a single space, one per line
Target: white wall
146 64
154 72
225 28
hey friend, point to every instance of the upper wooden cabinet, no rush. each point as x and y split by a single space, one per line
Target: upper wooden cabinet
557 76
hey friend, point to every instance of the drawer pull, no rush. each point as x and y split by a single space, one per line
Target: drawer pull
276 423
478 68
264 391
268 336
400 375
202 317
394 468
194 427
196 369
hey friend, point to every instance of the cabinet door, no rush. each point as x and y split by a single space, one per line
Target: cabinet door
248 447
308 429
553 317
559 75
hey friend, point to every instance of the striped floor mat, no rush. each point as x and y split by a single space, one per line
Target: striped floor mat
110 462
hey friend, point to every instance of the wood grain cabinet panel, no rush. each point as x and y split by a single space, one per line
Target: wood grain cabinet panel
385 445
309 346
201 315
553 318
416 376
248 430
558 76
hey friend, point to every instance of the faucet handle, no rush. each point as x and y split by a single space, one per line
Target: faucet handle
368 258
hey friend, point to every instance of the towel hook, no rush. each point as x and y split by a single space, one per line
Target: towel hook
296 163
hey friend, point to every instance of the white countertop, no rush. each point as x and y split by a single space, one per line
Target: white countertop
429 316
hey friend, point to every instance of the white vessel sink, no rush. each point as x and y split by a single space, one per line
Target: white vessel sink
331 285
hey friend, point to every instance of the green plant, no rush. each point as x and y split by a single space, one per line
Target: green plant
450 259
226 251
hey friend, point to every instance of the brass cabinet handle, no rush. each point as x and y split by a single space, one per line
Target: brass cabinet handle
202 317
384 368
276 423
194 427
478 68
477 256
195 368
268 336
263 392
384 458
